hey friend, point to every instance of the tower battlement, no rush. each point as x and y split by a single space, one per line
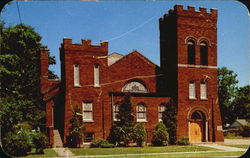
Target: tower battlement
190 11
86 45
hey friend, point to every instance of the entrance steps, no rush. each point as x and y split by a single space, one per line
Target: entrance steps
57 139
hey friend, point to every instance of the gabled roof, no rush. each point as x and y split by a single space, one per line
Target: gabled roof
239 122
136 53
114 57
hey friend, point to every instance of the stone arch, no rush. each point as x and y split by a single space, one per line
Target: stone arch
203 39
198 108
140 86
188 38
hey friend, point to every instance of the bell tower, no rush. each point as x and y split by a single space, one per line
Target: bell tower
188 50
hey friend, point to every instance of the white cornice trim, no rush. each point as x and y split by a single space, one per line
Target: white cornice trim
197 66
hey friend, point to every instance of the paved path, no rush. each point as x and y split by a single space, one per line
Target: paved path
64 152
237 141
221 147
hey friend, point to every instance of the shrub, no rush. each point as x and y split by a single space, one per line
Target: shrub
183 141
139 134
160 135
40 142
98 142
18 143
107 145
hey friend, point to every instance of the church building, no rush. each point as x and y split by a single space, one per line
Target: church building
96 81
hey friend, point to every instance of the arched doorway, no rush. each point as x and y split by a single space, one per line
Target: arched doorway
197 127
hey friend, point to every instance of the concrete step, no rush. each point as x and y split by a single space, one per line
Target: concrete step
57 139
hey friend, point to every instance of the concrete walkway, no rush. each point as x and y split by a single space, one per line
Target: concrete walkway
63 152
221 147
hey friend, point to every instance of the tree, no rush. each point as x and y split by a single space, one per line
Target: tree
19 77
169 119
139 134
160 135
240 106
122 129
76 128
227 92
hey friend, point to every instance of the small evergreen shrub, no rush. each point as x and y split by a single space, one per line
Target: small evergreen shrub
160 135
40 142
107 145
139 134
97 143
183 141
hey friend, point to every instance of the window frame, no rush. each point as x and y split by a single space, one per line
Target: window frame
161 112
204 53
191 53
84 137
190 96
144 112
84 111
76 75
115 112
205 91
96 75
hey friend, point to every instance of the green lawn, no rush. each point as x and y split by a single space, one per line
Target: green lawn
47 153
138 150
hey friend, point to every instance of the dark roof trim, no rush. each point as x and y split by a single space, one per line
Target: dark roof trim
139 94
51 88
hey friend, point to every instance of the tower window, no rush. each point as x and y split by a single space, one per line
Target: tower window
191 52
203 53
203 90
192 90
76 75
141 113
96 75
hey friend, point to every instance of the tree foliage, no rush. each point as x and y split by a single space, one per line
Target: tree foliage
122 130
139 134
76 128
20 88
240 106
160 135
169 119
227 92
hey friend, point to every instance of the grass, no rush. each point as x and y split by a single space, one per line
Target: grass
138 150
47 153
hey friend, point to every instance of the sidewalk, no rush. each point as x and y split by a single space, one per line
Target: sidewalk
221 147
63 152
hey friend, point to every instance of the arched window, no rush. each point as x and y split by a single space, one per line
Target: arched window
161 109
134 87
141 112
198 115
203 53
191 52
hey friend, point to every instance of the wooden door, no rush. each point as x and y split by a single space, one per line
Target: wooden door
195 132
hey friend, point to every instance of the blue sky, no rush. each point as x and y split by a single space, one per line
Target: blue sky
131 25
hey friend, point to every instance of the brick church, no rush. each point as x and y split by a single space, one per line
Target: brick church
96 81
